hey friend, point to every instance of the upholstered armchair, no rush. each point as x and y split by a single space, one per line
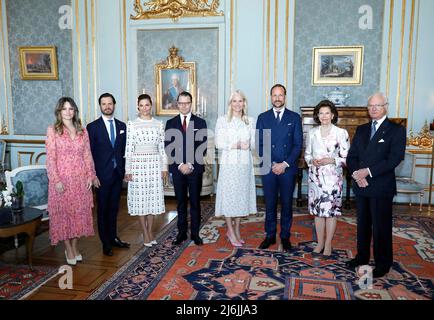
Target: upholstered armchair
2 153
208 175
405 182
2 160
35 182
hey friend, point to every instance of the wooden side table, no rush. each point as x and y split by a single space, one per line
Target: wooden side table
26 221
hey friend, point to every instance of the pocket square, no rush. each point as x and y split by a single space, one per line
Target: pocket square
195 129
122 131
289 124
380 141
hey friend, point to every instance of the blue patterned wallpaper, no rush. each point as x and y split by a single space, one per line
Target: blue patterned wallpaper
198 45
335 23
35 23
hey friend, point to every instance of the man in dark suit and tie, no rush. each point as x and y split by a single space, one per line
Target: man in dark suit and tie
186 139
279 145
376 150
107 137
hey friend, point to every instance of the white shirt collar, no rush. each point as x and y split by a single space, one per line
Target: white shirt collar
281 110
107 123
188 116
380 121
107 118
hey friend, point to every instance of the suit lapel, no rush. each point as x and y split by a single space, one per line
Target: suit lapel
105 134
379 134
191 123
178 123
285 117
282 124
118 130
272 119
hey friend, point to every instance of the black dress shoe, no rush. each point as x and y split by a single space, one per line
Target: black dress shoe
354 263
197 240
286 245
180 238
120 244
107 251
317 254
378 273
267 242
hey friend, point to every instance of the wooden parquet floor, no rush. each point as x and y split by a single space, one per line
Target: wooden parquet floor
96 267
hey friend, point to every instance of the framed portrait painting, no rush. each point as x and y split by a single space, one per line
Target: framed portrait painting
172 77
38 63
337 65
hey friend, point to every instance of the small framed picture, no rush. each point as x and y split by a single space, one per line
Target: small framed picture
38 63
337 66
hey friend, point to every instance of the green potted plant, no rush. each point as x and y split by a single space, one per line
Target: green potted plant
18 196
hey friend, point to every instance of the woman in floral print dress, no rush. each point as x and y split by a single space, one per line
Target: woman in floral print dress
326 151
71 174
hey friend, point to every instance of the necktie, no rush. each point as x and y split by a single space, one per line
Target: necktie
373 129
112 133
184 124
278 117
112 139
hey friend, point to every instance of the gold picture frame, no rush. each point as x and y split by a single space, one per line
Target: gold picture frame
337 66
171 78
38 63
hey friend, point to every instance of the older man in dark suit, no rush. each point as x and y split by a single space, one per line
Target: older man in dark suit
376 150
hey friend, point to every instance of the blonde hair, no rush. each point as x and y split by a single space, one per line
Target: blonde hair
244 116
76 122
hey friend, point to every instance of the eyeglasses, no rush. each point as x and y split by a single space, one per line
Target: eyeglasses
370 106
184 103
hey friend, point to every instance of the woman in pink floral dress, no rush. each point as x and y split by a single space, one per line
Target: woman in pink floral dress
71 174
326 151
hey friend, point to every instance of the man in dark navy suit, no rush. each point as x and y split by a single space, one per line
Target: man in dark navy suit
280 132
107 137
377 149
186 141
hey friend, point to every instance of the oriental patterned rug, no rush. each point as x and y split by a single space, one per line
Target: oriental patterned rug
217 271
18 281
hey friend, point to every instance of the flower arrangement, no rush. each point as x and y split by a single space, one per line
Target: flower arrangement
7 196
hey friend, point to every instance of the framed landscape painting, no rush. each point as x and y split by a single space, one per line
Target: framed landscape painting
38 63
337 65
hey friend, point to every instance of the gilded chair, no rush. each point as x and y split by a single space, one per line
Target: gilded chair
405 182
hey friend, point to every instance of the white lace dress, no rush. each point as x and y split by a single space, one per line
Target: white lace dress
145 158
236 191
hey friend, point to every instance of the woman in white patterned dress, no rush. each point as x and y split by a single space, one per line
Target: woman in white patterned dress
145 167
326 152
236 193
